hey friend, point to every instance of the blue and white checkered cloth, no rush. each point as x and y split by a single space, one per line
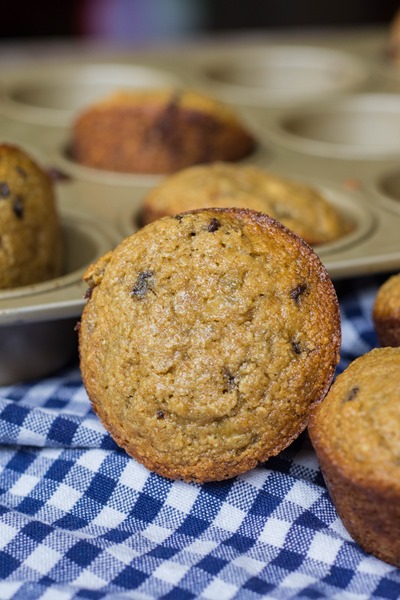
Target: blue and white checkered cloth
79 519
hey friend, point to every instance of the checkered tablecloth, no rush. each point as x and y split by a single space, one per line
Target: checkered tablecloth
80 519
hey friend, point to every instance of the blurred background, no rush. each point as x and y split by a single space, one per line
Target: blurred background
150 20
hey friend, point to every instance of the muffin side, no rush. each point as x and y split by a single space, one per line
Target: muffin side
386 312
356 434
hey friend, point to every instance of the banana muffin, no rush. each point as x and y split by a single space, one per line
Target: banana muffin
356 434
158 131
30 235
206 340
298 206
386 312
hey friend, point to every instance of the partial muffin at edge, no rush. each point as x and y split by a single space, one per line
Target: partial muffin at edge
356 435
386 312
206 340
393 41
158 131
30 233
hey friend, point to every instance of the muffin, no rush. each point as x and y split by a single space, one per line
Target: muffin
393 42
30 236
158 131
206 340
299 207
386 312
356 435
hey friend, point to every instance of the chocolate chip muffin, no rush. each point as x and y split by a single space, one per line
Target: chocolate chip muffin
206 340
298 206
356 435
30 235
158 131
386 312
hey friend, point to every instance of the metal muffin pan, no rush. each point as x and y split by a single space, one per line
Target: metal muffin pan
280 74
358 126
323 111
37 321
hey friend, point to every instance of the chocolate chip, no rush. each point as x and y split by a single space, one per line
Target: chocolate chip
298 291
296 347
165 127
77 326
192 233
352 394
213 225
229 381
178 217
18 207
160 414
56 174
143 284
4 190
21 171
88 293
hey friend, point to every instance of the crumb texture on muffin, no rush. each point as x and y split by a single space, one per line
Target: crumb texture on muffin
30 234
300 207
158 131
386 312
356 435
206 340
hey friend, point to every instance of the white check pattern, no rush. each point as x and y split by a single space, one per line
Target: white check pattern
79 519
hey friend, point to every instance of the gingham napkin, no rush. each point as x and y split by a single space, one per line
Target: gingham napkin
80 519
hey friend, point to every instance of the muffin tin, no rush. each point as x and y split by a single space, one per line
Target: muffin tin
325 110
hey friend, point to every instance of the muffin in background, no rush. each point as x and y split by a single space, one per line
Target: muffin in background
158 132
299 207
206 340
30 235
393 42
356 434
386 312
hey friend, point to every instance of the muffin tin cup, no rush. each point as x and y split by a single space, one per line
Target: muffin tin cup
278 75
53 95
37 321
356 127
387 188
79 172
360 219
84 239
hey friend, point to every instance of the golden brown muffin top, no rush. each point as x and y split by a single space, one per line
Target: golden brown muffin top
158 131
357 426
148 99
299 207
206 340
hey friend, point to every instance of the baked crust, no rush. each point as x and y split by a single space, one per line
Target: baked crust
158 131
30 234
298 206
356 435
206 340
